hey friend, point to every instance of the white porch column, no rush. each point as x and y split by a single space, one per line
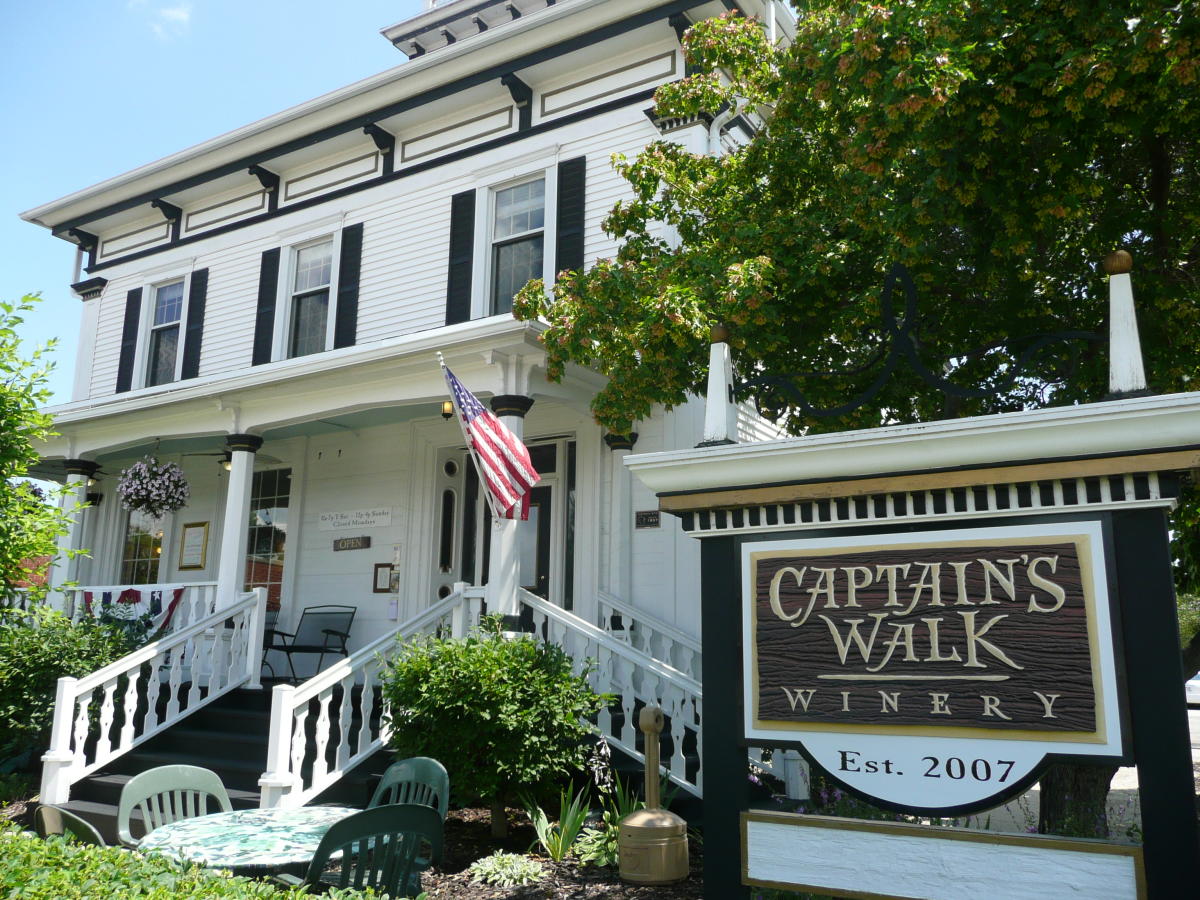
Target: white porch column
63 568
620 535
231 565
504 562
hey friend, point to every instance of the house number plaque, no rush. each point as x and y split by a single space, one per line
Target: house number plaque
933 670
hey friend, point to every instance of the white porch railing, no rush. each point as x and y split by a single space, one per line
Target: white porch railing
199 599
652 636
312 744
194 664
633 676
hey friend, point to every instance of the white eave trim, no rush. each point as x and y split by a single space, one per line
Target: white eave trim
1095 429
406 78
496 332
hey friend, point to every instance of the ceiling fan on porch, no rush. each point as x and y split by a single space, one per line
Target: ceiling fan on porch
225 458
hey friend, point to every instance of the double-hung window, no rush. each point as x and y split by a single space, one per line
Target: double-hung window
162 349
308 328
518 240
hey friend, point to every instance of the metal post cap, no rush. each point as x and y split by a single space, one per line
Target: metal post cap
650 719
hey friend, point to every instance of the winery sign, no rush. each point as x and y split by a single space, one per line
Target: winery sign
933 670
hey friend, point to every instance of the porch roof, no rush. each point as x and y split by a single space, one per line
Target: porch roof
494 356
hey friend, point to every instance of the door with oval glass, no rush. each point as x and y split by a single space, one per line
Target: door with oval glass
545 541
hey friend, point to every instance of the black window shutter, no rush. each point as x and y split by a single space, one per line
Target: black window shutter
194 335
264 320
345 326
568 244
462 252
129 336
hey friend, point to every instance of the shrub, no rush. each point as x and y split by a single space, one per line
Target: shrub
507 870
558 839
502 714
60 869
36 649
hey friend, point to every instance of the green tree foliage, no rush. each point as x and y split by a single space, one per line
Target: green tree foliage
999 151
29 526
36 649
503 715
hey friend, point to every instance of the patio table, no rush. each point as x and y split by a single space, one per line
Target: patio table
248 841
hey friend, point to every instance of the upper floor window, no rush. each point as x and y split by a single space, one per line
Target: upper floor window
163 345
310 325
518 240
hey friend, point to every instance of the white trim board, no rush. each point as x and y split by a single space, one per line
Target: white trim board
911 861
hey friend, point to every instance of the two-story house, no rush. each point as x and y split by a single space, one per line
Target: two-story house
265 309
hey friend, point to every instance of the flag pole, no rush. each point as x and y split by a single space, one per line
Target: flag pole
470 446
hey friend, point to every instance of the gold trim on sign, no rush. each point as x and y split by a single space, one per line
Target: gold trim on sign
909 830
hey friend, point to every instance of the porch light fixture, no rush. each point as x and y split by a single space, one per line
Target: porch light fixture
447 409
227 461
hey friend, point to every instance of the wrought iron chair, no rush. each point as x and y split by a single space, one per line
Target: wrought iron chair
167 794
322 630
384 848
51 820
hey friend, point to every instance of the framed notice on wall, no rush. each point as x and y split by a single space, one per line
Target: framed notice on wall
193 545
383 578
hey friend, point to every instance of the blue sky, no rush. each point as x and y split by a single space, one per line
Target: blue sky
92 88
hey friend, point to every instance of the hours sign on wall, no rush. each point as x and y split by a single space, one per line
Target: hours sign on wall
933 670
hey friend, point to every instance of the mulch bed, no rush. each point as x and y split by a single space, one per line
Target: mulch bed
468 838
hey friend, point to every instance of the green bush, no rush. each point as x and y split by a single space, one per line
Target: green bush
36 649
60 869
503 715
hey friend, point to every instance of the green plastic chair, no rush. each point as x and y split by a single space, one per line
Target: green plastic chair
384 848
418 779
168 794
54 820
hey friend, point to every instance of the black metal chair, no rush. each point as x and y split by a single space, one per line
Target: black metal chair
321 630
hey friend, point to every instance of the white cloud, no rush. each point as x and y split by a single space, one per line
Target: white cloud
180 15
165 22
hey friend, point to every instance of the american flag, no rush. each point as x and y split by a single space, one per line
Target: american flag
501 456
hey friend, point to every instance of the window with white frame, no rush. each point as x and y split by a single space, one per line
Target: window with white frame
309 321
517 240
162 345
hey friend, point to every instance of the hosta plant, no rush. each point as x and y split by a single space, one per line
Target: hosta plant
507 870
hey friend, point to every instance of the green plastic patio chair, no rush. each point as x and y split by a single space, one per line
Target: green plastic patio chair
167 794
54 820
384 848
418 779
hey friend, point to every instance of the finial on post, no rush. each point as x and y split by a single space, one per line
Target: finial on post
720 412
1126 372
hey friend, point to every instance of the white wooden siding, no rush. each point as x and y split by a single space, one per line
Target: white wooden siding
402 285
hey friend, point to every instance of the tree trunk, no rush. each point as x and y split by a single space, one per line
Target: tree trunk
499 819
1074 801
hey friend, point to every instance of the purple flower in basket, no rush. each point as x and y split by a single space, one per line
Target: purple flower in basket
153 487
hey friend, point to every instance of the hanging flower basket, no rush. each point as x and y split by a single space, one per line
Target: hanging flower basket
153 487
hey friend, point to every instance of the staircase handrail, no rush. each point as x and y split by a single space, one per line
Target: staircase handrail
631 676
603 638
640 615
288 746
200 647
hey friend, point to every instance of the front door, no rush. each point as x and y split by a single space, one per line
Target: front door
545 541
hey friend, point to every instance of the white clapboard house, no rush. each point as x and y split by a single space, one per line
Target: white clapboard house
265 310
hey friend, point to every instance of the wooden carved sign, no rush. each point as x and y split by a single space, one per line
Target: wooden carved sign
934 670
